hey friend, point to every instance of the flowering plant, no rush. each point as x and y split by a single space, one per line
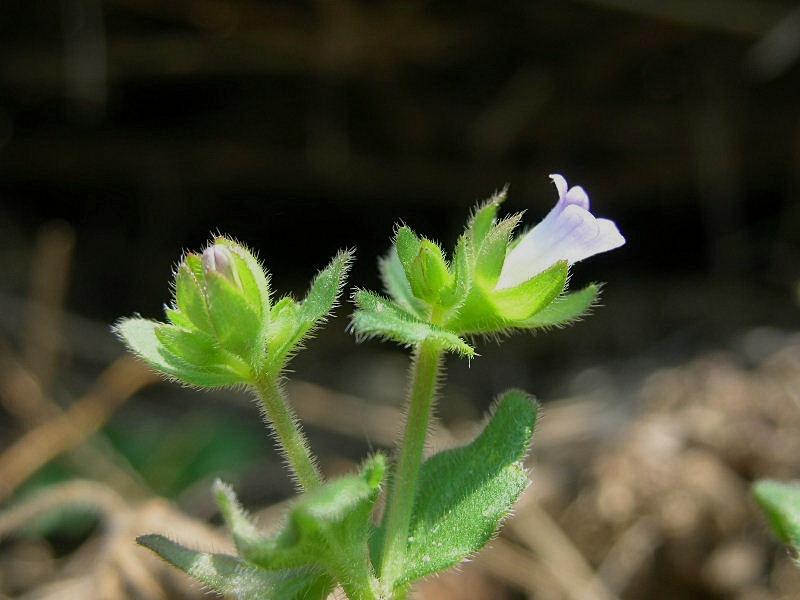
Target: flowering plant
225 329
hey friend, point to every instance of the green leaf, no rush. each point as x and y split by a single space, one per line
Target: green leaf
382 318
396 283
292 322
407 245
189 296
781 503
484 218
253 276
283 328
528 298
325 289
194 347
329 526
245 535
466 492
462 276
492 253
232 577
139 335
177 318
564 310
238 327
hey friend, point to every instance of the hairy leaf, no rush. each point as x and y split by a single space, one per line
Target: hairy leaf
189 297
465 493
564 310
396 284
195 347
178 318
140 337
329 526
528 298
490 257
254 278
235 578
407 245
325 289
484 218
380 317
294 322
235 321
462 276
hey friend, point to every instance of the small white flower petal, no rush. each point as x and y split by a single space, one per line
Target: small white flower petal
569 232
574 231
577 195
608 238
561 184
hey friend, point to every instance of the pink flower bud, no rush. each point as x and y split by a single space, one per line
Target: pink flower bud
219 259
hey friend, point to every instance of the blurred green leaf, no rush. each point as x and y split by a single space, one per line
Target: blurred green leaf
171 455
781 503
235 578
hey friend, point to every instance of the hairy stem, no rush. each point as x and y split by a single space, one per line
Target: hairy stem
291 440
400 504
361 589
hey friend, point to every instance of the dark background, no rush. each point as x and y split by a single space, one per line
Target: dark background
304 127
135 128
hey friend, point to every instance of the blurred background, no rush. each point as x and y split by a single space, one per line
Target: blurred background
132 129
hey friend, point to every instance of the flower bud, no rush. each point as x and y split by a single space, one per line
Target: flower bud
219 259
222 304
222 328
428 273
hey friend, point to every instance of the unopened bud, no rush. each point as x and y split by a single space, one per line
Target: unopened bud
218 259
429 274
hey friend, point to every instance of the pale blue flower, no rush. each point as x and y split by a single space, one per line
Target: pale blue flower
569 232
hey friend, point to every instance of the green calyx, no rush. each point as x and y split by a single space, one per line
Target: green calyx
222 327
459 296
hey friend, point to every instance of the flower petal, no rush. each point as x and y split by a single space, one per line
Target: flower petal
609 238
572 235
561 184
577 195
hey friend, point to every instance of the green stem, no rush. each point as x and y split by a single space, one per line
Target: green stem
361 589
292 442
400 504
